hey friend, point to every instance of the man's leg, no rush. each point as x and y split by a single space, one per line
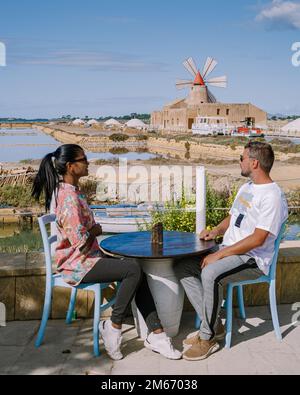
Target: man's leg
188 272
214 276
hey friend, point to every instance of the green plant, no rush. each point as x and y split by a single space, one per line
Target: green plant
187 146
142 137
118 137
18 196
118 150
26 161
176 215
89 187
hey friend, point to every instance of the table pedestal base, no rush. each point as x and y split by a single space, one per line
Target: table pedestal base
168 296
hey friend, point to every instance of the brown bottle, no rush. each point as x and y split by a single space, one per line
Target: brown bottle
157 233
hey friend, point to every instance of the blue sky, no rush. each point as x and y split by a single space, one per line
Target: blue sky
115 57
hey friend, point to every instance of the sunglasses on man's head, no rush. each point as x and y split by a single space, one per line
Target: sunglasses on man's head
242 158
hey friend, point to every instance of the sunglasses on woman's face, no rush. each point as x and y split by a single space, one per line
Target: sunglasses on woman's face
84 159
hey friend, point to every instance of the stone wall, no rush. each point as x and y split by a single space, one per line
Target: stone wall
22 287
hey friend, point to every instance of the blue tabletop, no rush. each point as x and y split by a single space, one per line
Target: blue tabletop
138 245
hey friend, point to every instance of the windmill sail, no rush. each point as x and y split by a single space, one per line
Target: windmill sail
209 67
182 84
211 97
201 80
220 82
189 64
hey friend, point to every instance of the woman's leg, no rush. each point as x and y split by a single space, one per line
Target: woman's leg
128 272
157 339
145 303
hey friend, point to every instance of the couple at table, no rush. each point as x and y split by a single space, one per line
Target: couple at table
250 231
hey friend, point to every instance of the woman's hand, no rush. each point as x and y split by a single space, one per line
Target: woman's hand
96 230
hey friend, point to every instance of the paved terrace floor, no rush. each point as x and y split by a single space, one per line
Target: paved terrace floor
68 349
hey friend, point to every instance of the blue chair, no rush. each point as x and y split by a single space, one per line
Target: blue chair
270 279
55 280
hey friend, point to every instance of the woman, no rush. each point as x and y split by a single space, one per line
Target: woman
79 258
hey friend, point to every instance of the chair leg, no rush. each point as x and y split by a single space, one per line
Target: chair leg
229 315
96 321
274 312
46 313
71 305
197 322
241 302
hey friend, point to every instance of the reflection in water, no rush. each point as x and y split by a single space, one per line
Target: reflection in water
24 144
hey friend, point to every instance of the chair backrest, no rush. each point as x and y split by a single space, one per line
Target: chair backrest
272 274
47 241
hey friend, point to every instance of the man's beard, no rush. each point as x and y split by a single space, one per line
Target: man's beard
246 174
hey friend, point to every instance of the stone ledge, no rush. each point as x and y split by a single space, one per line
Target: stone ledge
22 286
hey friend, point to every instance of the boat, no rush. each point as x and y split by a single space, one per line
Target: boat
248 132
210 126
122 218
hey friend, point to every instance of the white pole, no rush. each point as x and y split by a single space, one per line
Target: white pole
200 199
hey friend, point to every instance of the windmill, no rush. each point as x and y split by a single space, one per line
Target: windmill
199 85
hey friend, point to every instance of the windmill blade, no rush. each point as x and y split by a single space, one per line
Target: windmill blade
209 67
211 97
182 84
189 64
220 82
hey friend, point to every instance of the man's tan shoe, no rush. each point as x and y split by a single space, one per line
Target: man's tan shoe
201 350
220 335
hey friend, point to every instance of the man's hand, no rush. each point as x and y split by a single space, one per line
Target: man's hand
209 259
208 235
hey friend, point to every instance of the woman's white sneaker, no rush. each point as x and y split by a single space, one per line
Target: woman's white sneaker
162 344
112 339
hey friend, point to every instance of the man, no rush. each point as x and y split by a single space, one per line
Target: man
250 231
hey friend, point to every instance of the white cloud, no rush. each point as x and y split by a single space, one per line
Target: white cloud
104 61
281 15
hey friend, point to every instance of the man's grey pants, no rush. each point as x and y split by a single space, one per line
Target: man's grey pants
204 288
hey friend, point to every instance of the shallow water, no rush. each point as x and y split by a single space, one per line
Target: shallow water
22 144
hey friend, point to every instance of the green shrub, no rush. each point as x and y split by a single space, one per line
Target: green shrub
26 161
142 137
89 188
118 137
118 150
177 217
18 196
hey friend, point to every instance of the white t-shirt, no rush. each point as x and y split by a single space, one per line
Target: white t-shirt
257 207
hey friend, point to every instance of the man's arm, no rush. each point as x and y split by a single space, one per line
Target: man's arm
257 239
217 231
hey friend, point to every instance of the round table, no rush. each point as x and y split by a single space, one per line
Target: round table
157 262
